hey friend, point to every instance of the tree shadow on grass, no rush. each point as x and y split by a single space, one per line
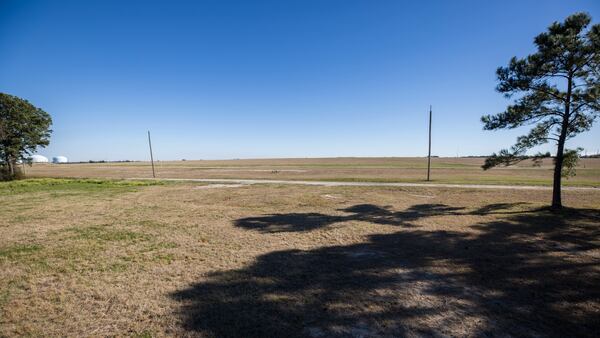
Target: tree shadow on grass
527 274
501 208
296 222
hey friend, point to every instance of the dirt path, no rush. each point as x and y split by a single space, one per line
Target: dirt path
373 184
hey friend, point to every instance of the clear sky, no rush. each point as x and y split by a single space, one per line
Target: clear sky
244 79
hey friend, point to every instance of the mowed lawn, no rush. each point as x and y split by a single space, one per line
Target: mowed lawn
140 258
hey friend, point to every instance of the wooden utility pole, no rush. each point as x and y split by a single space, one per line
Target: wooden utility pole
429 153
151 156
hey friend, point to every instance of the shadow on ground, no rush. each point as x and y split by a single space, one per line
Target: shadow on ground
361 212
525 274
293 222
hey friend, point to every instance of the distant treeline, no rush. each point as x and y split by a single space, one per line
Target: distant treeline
103 161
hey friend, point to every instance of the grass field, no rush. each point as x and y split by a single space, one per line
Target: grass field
143 258
445 170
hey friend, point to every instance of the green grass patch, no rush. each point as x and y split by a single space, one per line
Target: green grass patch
62 185
159 246
100 248
144 334
25 218
118 267
4 298
164 258
19 250
148 223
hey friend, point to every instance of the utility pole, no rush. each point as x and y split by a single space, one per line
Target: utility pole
429 153
151 157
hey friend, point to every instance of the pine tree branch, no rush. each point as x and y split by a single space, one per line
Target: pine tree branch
538 89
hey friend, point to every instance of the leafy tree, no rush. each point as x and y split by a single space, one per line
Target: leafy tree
23 128
557 91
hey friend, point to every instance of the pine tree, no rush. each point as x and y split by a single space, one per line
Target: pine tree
557 91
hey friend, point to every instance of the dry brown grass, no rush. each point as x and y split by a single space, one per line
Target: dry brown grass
445 170
79 259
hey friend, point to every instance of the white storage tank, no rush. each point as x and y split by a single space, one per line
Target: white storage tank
39 159
59 159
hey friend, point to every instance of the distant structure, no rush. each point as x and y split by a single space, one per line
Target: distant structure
59 159
38 159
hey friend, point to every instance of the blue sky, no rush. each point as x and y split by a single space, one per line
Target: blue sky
245 79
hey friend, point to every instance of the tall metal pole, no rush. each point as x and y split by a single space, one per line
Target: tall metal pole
151 157
429 153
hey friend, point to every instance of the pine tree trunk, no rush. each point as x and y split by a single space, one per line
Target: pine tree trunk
558 163
9 168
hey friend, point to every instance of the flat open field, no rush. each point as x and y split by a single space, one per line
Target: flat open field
144 258
445 170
